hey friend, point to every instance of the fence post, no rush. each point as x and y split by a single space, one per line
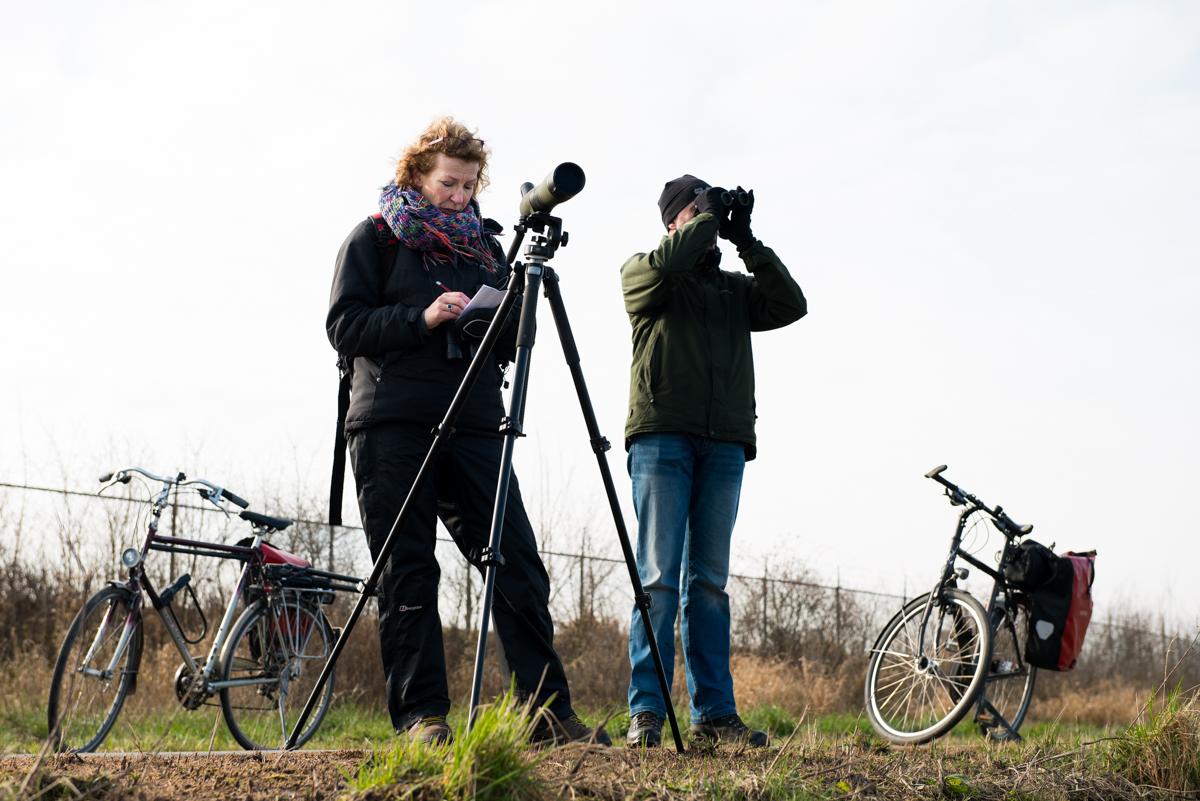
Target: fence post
174 517
765 589
1165 644
837 610
330 563
582 586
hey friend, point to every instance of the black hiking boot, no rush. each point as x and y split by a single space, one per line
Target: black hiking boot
729 729
645 731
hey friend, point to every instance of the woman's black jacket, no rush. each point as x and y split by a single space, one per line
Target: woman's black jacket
402 370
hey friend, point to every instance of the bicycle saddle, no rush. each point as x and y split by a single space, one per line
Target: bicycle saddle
265 521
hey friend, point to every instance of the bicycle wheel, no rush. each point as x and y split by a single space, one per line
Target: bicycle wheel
275 654
96 668
915 694
1008 685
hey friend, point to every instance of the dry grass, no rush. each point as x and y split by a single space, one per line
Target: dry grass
1162 747
796 686
1111 703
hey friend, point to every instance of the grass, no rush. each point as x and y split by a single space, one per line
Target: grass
345 726
491 760
351 726
827 757
1162 747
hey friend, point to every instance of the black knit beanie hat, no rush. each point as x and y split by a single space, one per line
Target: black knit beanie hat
676 195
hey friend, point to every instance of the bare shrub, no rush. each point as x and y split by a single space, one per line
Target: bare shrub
595 652
787 614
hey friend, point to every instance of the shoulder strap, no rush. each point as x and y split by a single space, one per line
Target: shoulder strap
338 479
384 236
386 242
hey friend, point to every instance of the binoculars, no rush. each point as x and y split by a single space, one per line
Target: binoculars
729 196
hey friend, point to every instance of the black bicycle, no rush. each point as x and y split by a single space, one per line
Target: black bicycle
262 664
945 653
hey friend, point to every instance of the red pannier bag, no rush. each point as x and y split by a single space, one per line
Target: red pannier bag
1060 611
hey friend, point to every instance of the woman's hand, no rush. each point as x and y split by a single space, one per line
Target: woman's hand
447 306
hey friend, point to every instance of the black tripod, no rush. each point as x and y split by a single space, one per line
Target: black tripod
524 283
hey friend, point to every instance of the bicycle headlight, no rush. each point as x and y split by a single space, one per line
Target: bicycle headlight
131 557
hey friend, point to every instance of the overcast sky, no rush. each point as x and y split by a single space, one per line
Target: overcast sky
992 208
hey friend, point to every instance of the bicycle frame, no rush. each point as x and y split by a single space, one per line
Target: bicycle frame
139 582
944 653
951 573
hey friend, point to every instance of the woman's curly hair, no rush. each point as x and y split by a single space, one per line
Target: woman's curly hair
450 137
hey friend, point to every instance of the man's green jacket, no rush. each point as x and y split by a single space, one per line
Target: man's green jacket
693 371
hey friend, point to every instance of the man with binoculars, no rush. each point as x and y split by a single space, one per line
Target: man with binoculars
689 433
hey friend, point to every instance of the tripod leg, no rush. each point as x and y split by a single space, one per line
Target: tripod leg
444 429
600 446
511 430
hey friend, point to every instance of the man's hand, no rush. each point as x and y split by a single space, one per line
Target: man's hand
710 201
736 228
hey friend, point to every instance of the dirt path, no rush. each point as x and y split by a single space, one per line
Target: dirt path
240 776
811 769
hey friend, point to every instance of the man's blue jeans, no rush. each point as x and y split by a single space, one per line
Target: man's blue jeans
685 494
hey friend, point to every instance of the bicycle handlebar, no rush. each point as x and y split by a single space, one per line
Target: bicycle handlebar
212 492
1003 521
236 500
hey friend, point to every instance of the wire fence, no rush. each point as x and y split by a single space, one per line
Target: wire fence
798 641
769 609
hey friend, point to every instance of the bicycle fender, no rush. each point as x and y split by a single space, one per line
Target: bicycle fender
135 642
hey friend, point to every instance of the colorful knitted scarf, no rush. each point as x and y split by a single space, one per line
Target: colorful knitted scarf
438 235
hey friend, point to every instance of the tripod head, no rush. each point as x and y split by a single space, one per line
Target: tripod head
548 235
563 183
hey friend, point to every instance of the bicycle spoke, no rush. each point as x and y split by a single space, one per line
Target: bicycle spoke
901 680
906 621
277 639
896 654
90 676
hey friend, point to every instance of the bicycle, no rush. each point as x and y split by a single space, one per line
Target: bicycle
944 653
262 665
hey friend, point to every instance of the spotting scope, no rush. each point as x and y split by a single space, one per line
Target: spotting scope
563 183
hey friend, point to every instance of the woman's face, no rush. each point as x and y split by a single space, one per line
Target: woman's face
451 183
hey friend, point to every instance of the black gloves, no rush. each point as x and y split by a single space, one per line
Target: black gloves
710 201
731 209
736 226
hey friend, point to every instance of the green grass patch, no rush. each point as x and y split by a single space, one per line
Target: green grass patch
492 760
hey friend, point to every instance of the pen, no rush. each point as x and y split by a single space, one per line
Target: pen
442 286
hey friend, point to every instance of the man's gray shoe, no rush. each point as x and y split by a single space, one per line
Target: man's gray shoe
432 729
645 731
729 729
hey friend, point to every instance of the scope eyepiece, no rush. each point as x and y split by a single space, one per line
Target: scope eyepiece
563 183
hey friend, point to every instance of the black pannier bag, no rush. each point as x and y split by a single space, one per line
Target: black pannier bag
1059 613
1031 567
